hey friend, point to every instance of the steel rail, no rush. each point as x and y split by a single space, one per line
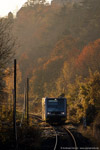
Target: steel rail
72 137
37 117
56 139
56 142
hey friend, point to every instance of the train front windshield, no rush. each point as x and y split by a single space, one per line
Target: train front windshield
55 105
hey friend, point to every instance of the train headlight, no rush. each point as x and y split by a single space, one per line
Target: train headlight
48 113
62 113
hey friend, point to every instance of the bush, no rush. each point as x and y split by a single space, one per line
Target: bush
90 114
96 128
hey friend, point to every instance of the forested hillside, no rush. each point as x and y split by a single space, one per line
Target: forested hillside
57 47
59 50
53 35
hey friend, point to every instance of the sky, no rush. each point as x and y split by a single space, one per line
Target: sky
7 6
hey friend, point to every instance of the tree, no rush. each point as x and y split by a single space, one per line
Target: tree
89 59
7 44
89 95
66 47
34 2
75 109
65 78
9 82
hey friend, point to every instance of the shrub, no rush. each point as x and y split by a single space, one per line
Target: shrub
96 127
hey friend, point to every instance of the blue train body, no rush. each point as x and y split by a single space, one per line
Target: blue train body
54 109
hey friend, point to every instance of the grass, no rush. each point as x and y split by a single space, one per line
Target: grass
28 136
88 133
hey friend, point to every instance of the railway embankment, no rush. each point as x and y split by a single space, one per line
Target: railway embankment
39 135
58 136
91 134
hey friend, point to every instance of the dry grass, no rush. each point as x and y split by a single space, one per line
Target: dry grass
88 133
29 136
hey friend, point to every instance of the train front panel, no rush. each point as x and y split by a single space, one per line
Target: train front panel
55 109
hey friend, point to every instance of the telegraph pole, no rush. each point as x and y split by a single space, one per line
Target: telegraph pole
14 106
27 100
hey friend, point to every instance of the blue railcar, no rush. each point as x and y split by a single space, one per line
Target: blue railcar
54 109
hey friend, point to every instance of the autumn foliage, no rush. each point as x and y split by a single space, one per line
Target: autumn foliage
60 52
89 58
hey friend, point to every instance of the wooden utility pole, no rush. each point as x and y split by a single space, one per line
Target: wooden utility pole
27 100
14 106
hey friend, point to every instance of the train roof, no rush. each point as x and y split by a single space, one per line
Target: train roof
53 98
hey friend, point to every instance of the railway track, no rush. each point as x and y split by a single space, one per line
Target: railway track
35 116
73 138
35 119
57 137
64 138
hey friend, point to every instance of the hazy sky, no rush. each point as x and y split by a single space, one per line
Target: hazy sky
10 5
